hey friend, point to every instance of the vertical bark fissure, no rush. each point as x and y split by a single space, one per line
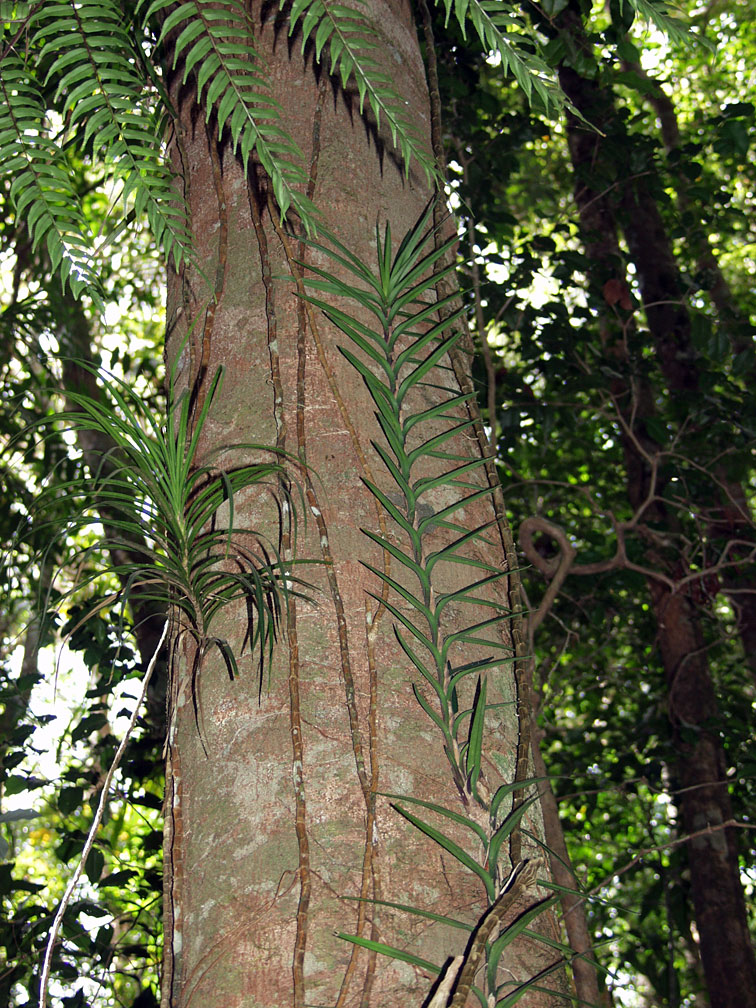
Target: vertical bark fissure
300 825
370 869
317 513
295 715
368 875
270 321
346 676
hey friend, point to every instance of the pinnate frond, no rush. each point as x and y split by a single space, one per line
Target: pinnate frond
398 344
657 12
100 89
13 12
502 29
42 188
215 42
349 38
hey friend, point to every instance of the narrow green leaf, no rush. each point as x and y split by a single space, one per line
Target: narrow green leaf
435 718
390 950
431 674
416 603
505 790
505 830
406 908
440 810
451 848
507 937
475 738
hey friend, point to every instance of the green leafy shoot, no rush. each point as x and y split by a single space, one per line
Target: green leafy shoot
451 847
41 185
502 29
405 908
95 72
656 12
398 354
507 936
162 508
401 955
399 337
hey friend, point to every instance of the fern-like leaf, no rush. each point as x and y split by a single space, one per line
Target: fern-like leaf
503 30
396 354
349 38
215 41
93 65
42 188
657 12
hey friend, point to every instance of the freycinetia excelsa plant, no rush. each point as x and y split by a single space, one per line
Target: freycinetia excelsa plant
98 68
401 349
160 504
152 489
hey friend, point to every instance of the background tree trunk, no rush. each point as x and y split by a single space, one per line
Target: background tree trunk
700 772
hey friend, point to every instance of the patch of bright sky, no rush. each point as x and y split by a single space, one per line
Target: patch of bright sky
60 696
543 286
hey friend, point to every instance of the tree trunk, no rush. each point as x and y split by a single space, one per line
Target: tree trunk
278 829
731 527
703 799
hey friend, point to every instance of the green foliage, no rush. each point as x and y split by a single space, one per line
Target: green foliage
411 335
504 31
98 81
94 65
607 731
215 43
120 926
604 705
86 64
154 485
116 920
41 189
404 345
657 12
